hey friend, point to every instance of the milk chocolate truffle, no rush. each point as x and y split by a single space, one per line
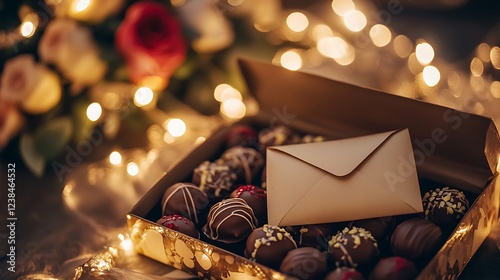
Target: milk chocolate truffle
354 247
394 268
280 135
344 273
255 197
230 220
316 236
184 199
214 178
180 224
269 245
244 162
380 228
241 135
304 263
445 206
416 239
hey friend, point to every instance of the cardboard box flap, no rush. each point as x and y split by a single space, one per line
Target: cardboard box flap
453 147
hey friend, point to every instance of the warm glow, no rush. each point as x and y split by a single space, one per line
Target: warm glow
168 138
425 53
235 3
199 140
431 75
483 52
341 7
94 111
81 5
230 92
495 89
115 158
297 22
176 127
321 31
402 46
476 67
126 245
355 20
233 108
132 169
291 60
27 29
495 57
333 47
143 96
380 35
219 89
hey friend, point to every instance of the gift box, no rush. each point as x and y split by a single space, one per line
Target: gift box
450 147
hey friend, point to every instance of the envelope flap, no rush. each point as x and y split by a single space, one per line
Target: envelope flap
338 157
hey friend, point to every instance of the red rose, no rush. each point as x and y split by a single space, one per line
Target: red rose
151 42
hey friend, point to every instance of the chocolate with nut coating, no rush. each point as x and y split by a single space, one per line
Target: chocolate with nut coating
445 206
216 179
354 247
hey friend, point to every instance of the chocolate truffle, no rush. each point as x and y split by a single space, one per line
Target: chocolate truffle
354 247
180 224
304 263
344 273
445 206
241 135
184 199
214 178
380 228
269 245
416 239
280 135
316 236
394 268
244 162
255 197
230 220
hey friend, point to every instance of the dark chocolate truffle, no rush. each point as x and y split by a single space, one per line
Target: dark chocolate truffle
214 178
354 247
244 162
394 268
344 273
280 135
230 220
380 228
241 135
180 224
316 236
445 206
255 197
268 245
184 199
416 239
304 263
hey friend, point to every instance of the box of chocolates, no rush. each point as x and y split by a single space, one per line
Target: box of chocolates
328 181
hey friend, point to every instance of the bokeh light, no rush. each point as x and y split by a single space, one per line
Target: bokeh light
495 89
431 75
143 96
81 5
233 108
219 89
483 52
495 57
341 7
94 111
291 60
297 22
355 20
176 127
380 35
115 158
132 169
425 53
27 29
230 92
476 67
402 46
321 31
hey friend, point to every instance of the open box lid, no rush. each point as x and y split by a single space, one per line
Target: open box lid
450 146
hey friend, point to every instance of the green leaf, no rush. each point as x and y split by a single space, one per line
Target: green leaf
51 138
34 161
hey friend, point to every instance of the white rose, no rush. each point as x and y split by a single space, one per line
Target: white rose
11 122
95 12
32 85
71 48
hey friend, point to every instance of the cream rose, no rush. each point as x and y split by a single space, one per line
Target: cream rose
11 122
31 85
71 48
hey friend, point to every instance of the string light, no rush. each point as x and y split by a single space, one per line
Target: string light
115 158
27 29
81 5
355 20
176 127
402 46
297 21
233 108
380 35
495 57
341 7
476 67
143 97
94 111
431 75
291 60
219 89
230 92
132 169
425 53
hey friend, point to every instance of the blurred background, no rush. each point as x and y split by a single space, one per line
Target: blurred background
99 98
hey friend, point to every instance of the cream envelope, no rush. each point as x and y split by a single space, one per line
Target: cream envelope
342 180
